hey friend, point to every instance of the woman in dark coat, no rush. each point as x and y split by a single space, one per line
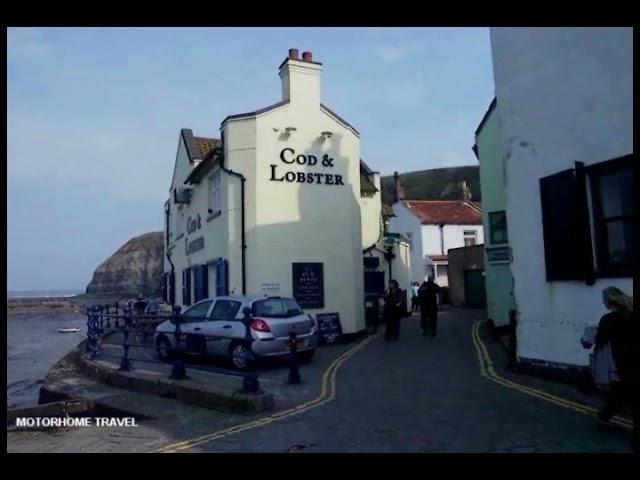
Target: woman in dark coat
619 328
392 311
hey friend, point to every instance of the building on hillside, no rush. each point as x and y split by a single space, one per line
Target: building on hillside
432 227
467 277
565 114
279 204
497 257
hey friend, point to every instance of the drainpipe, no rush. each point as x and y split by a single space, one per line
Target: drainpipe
441 239
168 254
243 241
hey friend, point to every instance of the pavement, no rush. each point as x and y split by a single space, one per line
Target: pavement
446 394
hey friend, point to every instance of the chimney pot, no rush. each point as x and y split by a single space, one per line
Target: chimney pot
307 56
293 53
398 190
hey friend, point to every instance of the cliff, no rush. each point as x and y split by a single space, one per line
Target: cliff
135 268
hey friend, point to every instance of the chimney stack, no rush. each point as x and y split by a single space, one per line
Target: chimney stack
466 192
398 191
301 79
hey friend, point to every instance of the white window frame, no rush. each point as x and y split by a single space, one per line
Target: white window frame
214 202
470 234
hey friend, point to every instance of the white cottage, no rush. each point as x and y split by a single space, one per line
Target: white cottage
280 204
432 227
565 98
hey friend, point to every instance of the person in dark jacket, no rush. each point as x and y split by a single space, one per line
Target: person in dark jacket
392 311
428 300
619 328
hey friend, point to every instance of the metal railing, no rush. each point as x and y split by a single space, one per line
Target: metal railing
105 321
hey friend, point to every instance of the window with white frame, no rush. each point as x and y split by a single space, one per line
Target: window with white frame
215 193
470 237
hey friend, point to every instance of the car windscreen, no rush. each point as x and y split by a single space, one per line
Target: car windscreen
276 308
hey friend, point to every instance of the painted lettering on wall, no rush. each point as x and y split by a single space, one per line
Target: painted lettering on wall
288 156
193 246
193 224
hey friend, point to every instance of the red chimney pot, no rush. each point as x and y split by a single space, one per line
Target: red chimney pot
307 56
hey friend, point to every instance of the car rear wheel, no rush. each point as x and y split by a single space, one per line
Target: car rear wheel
163 347
305 357
240 356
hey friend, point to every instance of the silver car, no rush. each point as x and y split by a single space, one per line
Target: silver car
216 327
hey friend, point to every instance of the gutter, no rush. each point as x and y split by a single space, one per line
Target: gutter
242 209
168 254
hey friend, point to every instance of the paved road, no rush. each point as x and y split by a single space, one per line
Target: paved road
415 395
426 395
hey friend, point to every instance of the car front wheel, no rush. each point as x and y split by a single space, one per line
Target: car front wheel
240 356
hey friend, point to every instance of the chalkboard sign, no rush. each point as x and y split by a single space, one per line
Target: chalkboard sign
308 285
330 328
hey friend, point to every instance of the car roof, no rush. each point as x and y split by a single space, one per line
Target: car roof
245 298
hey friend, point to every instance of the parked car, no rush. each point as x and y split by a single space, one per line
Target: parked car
216 327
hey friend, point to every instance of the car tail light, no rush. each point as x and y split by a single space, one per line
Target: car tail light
313 322
259 325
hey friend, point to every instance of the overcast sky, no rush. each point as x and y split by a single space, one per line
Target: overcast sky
94 116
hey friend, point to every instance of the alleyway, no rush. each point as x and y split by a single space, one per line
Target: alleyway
423 395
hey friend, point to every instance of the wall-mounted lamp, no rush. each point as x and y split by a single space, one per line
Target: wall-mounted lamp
326 135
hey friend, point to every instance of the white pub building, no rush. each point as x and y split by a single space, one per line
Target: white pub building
280 204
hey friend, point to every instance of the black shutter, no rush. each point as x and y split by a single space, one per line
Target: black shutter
200 287
563 226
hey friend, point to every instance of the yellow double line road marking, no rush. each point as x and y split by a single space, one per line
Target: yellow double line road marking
327 394
487 370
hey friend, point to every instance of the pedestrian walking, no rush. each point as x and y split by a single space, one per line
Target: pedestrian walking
619 330
393 311
414 296
428 300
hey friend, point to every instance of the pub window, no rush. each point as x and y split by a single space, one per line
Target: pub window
498 227
215 193
180 226
612 200
470 237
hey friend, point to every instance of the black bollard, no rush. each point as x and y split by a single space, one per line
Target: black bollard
294 371
125 363
178 372
250 384
248 338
